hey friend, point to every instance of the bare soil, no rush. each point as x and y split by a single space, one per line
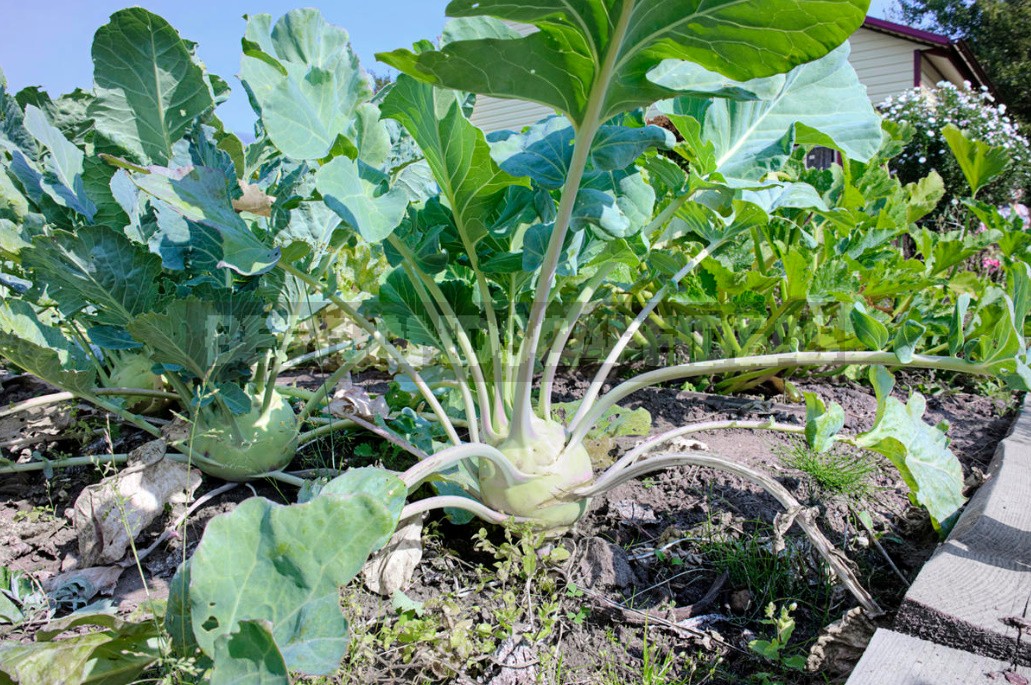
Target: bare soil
667 580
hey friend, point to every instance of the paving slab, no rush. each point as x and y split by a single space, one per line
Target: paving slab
896 659
974 593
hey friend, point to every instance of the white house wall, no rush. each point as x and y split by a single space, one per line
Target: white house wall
884 63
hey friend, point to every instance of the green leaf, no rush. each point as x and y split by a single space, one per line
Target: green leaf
907 338
64 180
210 340
957 324
456 151
785 196
544 151
822 424
869 330
96 266
148 87
110 657
605 48
366 206
819 103
202 195
923 196
305 80
980 162
919 451
43 350
178 621
403 311
268 562
249 656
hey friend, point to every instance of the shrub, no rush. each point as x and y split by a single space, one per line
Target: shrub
923 114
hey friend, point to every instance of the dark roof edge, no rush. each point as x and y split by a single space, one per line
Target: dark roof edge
959 51
919 35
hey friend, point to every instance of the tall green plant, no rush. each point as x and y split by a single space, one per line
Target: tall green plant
482 234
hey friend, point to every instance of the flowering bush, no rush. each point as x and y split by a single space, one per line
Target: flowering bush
922 114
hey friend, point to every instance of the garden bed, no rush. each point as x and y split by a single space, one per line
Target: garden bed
667 579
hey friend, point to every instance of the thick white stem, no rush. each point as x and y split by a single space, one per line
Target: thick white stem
456 502
558 346
473 361
606 368
522 427
445 459
787 360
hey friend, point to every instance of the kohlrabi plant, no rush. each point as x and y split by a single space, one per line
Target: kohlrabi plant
117 285
483 233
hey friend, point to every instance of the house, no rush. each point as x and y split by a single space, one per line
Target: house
888 57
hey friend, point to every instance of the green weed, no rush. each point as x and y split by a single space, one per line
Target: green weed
838 472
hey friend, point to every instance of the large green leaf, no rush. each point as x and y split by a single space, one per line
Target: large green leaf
820 103
93 658
590 58
210 340
368 207
99 267
43 350
403 311
249 656
306 81
456 151
544 151
117 655
980 162
285 565
919 451
148 88
64 182
202 194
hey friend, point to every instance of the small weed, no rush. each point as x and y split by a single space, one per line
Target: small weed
773 650
749 562
657 666
836 472
582 611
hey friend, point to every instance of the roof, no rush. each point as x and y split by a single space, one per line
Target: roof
939 46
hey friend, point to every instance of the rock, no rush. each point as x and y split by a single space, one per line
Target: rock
518 663
604 566
632 511
740 600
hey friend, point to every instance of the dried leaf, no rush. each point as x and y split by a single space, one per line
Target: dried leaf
390 569
840 644
113 512
77 588
688 445
254 200
351 400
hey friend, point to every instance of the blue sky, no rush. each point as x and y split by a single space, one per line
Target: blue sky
47 42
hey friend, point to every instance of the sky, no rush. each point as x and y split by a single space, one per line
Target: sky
47 42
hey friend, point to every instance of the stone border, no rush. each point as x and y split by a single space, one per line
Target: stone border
974 594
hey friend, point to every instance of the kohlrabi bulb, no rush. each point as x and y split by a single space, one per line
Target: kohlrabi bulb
539 498
269 440
133 370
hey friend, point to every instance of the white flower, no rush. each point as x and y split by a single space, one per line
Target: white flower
923 160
